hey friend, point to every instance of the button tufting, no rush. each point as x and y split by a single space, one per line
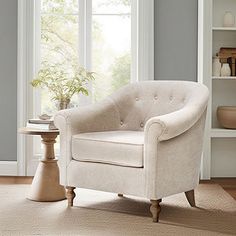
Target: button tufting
136 99
171 98
121 122
141 125
155 97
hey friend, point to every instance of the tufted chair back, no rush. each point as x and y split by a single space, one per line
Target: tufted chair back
138 102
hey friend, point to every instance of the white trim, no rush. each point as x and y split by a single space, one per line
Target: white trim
134 41
145 40
8 168
204 75
85 42
26 63
21 86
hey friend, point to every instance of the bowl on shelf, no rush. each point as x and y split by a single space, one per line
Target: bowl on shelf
226 116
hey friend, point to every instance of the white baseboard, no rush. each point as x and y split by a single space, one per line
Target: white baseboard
8 168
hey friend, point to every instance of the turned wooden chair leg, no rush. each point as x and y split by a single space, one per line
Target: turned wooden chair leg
70 195
120 195
155 209
190 197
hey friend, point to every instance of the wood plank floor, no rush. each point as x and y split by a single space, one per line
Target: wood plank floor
228 184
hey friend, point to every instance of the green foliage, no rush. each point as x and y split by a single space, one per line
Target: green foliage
63 81
121 71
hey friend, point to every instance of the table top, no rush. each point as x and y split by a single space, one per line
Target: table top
33 131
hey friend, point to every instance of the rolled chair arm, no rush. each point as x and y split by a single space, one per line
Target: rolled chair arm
173 124
168 150
98 117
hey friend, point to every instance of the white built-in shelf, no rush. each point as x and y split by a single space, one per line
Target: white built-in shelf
223 133
223 77
224 28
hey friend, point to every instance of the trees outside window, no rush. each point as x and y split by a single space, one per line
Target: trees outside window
110 42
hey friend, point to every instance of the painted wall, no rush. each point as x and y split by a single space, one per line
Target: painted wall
8 79
176 39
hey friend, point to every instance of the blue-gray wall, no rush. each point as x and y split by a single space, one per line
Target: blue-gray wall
8 79
176 39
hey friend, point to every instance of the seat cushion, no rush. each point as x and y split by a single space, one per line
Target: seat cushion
124 148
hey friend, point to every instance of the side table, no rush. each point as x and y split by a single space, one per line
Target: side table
45 186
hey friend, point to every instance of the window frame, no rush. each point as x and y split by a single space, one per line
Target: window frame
142 66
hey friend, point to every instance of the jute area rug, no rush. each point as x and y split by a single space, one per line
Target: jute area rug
99 213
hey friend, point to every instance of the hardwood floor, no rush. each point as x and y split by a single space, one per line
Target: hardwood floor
15 180
228 184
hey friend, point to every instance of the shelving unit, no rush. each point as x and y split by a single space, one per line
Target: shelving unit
222 77
224 28
219 157
223 133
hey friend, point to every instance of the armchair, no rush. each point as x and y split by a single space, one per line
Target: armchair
144 140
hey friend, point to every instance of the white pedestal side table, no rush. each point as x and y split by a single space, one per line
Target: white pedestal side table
45 186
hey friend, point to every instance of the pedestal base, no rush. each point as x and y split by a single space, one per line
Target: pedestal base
45 186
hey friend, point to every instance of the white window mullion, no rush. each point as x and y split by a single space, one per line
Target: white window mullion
85 41
85 30
88 45
134 41
82 32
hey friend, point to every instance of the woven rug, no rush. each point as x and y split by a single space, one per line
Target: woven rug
99 213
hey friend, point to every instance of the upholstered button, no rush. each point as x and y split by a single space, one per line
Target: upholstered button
141 125
136 99
155 97
121 122
171 98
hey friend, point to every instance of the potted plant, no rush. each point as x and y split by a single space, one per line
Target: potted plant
63 81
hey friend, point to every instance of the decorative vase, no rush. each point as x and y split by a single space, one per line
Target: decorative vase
216 66
229 19
225 70
226 115
64 104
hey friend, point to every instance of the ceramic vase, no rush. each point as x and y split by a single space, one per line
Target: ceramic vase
216 66
225 70
64 104
229 19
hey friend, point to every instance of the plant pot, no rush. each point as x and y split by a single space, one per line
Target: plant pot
63 104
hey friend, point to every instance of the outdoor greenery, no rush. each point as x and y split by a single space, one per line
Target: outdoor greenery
59 44
121 71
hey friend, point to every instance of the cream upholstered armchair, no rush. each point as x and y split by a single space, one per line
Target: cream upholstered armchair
144 140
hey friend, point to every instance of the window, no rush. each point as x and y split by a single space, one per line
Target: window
111 45
101 29
114 38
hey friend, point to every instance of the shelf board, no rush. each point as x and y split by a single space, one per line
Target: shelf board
223 133
224 28
223 77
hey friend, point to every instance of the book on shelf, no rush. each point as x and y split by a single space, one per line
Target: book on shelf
43 126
